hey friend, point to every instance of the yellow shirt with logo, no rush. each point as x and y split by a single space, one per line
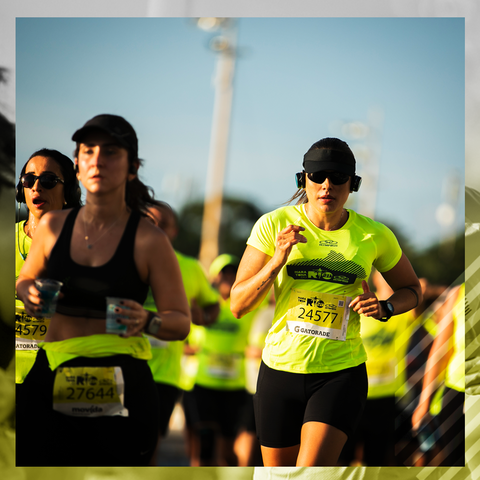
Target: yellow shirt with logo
167 356
221 358
313 329
386 346
28 330
261 323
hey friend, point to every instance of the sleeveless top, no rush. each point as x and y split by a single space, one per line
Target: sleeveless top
85 288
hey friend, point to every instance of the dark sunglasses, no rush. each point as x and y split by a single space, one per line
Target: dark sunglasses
336 178
47 180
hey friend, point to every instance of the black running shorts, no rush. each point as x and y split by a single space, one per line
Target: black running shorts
285 401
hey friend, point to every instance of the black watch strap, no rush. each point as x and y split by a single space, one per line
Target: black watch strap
154 323
388 308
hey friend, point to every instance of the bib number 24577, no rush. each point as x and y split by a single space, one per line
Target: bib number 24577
318 314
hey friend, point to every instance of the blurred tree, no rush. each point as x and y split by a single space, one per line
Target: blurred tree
238 218
442 263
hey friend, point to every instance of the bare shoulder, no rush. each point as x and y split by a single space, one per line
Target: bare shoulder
53 221
47 232
153 251
150 236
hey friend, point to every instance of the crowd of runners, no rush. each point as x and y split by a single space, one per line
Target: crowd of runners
319 347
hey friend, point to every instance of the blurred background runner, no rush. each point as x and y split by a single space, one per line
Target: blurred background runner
217 401
203 300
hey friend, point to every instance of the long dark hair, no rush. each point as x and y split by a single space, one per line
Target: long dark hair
329 142
139 196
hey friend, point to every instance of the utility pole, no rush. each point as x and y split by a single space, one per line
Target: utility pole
364 139
224 44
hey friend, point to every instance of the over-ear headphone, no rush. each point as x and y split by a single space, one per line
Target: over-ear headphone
300 179
356 182
354 186
19 193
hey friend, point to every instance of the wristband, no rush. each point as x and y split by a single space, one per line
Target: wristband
388 307
154 323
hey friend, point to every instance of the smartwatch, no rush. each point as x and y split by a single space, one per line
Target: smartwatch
153 324
388 307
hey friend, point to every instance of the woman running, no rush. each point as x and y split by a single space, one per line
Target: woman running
90 396
312 383
47 182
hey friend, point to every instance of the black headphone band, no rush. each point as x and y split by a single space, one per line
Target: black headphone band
19 193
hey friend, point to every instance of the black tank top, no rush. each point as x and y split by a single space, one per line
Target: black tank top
85 288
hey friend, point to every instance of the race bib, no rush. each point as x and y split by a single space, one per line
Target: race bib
223 365
29 331
89 391
318 314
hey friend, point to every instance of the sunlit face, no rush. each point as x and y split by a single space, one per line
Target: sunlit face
102 163
327 197
39 199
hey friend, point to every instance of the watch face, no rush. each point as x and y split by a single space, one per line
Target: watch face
390 307
155 325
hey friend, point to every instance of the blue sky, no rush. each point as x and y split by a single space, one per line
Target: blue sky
297 80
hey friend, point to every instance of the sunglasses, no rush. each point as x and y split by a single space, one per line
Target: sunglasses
47 180
336 178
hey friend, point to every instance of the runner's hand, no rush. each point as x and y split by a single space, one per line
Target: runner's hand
196 312
286 239
367 303
137 317
33 300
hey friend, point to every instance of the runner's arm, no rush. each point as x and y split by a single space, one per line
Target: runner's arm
255 276
168 292
257 271
35 265
403 279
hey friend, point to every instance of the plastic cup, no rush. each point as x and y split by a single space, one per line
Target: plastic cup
49 291
112 325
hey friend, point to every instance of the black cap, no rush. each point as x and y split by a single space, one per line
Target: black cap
321 159
115 126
